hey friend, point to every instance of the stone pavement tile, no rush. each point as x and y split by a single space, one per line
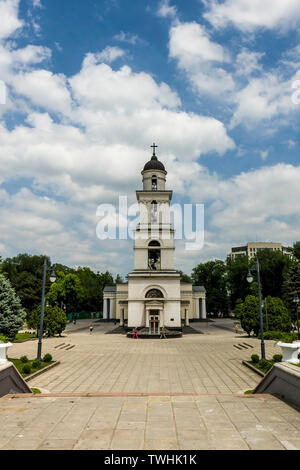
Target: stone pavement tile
127 444
124 434
161 444
22 444
157 431
291 444
131 425
89 444
230 444
196 444
57 444
190 434
93 434
264 443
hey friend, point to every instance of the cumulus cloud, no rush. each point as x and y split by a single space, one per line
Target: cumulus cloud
200 58
248 15
9 18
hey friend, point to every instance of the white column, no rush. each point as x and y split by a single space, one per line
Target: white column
197 308
187 317
111 309
203 310
104 309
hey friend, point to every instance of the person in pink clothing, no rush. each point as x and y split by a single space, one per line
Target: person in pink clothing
135 335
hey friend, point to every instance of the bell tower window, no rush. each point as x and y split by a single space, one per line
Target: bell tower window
154 183
153 212
154 255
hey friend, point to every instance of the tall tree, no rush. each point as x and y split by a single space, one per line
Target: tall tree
25 273
250 315
296 250
12 315
292 284
212 275
239 288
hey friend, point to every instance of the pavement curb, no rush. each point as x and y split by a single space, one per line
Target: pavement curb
259 372
39 372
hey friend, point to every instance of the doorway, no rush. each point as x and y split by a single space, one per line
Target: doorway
154 322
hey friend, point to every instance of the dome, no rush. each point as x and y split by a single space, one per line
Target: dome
154 164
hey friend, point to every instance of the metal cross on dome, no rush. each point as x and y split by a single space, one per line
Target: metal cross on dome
154 147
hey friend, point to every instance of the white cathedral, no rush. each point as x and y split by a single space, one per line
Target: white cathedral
154 295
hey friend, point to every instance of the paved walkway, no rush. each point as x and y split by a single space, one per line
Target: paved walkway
208 363
185 395
151 422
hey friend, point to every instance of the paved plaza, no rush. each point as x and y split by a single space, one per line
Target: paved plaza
180 393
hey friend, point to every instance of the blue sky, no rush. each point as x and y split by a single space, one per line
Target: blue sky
91 84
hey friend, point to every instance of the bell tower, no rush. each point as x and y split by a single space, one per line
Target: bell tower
154 237
154 284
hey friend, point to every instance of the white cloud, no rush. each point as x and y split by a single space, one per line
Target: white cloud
9 18
250 14
45 89
166 10
264 98
127 37
200 58
108 55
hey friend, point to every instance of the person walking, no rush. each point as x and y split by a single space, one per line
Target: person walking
163 333
91 328
135 335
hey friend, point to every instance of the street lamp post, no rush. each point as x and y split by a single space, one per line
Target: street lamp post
250 279
296 302
52 279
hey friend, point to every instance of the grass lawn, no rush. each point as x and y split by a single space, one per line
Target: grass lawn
22 337
19 366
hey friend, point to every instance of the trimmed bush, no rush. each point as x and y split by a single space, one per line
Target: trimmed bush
277 357
255 358
36 364
265 365
24 359
47 358
4 339
26 369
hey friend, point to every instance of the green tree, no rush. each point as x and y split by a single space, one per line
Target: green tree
296 250
25 273
119 279
237 269
91 290
212 275
55 320
12 315
273 266
279 318
68 290
250 315
238 308
292 284
185 277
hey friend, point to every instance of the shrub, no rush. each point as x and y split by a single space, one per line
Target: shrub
265 365
26 369
277 357
47 358
36 364
24 359
4 339
255 358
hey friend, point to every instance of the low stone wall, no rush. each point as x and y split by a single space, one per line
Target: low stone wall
11 381
282 380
